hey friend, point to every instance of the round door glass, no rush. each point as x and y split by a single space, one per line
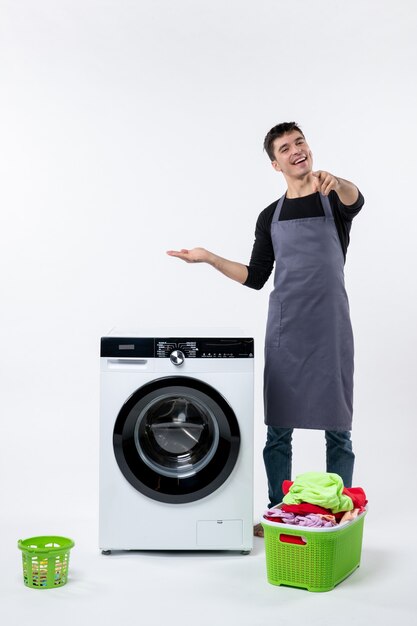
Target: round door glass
176 439
176 435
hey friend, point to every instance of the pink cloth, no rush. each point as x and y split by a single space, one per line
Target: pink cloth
312 520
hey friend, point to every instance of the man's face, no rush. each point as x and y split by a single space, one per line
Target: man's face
292 155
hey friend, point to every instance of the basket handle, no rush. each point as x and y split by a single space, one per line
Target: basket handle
297 539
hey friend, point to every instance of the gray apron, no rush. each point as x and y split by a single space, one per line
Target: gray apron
308 380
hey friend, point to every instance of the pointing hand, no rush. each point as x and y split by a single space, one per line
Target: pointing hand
324 182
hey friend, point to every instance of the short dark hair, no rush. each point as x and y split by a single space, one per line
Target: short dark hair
278 131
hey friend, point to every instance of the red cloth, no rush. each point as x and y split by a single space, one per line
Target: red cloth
358 496
286 484
305 508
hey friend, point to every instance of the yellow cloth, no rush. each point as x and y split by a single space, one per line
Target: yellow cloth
320 488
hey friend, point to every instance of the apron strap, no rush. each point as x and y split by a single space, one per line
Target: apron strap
326 206
277 211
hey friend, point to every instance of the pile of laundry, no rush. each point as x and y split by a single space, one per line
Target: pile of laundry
318 500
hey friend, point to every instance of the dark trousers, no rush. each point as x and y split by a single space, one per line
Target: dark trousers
278 458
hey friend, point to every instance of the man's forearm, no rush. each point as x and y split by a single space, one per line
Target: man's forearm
231 269
348 192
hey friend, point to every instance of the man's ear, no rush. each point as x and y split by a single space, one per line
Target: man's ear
276 166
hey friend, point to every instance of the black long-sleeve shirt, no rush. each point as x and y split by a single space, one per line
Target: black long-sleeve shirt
262 257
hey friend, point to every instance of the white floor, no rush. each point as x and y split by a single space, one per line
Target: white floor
173 589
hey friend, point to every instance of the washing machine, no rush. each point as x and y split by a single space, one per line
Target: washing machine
176 443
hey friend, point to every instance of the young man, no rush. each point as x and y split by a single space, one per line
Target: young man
308 378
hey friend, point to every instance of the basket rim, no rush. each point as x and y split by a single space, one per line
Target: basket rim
293 528
65 544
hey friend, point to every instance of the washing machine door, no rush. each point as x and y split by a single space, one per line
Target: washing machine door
176 439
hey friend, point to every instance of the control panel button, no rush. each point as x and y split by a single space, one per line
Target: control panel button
177 357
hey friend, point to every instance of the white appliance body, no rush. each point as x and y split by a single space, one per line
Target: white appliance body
176 444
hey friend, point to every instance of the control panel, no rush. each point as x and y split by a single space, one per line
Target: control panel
163 347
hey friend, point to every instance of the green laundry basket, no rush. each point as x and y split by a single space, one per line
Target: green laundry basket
316 559
45 561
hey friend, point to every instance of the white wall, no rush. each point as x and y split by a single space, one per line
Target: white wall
128 128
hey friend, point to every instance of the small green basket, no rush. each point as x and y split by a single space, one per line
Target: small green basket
316 559
45 561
